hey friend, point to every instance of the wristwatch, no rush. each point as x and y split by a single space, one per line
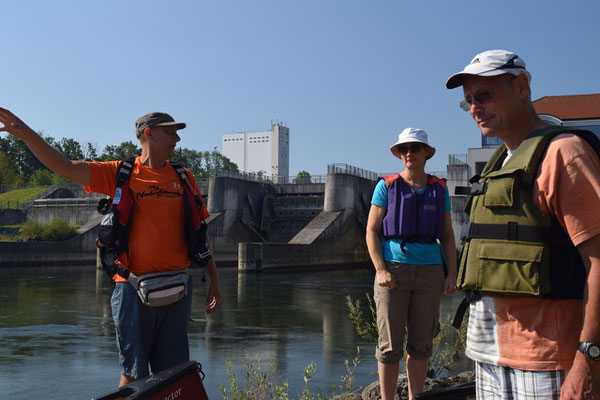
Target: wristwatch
592 350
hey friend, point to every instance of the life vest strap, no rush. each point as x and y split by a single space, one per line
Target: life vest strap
470 297
475 189
515 232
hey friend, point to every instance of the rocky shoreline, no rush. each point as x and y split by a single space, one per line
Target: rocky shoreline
372 391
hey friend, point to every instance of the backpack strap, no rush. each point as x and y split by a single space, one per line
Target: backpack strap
104 207
195 225
183 176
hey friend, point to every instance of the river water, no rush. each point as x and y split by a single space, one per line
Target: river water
57 339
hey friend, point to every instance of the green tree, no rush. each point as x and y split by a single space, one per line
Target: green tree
302 177
91 152
45 177
24 161
8 173
215 161
124 151
70 148
190 159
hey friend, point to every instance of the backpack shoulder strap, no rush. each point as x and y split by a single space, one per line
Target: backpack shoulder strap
183 177
124 171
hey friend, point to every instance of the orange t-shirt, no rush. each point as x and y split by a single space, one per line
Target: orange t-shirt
157 239
542 334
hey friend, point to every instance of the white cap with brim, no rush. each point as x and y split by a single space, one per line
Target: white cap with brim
490 63
412 135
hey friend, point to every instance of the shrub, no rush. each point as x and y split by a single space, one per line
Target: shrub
268 385
57 230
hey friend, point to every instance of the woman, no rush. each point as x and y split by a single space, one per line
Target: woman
408 220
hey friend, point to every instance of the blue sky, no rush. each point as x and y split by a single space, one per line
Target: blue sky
345 76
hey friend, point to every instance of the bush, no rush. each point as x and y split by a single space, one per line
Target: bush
261 385
57 230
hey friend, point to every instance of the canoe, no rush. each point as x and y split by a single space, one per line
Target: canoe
182 382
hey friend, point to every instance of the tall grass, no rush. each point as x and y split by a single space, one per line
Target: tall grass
267 384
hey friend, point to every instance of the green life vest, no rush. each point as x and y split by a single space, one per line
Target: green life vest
511 247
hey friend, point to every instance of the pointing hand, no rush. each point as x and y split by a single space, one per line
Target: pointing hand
12 124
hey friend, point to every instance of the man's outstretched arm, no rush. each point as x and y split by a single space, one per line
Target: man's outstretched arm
76 171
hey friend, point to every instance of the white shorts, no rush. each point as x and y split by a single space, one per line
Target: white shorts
494 382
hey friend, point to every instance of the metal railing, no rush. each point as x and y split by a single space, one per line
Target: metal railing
40 201
276 180
9 188
439 174
55 203
338 168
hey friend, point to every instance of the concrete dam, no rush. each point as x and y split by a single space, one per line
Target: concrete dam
254 225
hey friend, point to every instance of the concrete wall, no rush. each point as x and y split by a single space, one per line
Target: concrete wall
12 217
336 236
239 205
344 191
79 250
73 215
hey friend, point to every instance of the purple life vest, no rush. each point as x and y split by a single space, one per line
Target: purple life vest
411 216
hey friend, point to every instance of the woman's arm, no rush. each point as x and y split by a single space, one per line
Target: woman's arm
373 238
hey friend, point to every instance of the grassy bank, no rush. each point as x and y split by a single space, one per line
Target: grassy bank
17 196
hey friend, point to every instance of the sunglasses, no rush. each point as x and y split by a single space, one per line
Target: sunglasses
482 96
413 148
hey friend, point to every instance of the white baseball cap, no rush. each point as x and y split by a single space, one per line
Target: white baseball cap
412 135
490 63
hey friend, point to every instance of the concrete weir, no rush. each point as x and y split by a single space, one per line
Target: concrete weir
254 226
334 237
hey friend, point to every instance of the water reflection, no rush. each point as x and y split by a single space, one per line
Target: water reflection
58 337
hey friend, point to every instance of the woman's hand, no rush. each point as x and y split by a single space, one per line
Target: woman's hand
450 284
386 279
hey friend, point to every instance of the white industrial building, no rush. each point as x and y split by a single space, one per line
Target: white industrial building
266 152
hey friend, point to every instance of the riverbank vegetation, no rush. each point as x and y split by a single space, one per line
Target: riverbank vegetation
56 230
448 345
267 384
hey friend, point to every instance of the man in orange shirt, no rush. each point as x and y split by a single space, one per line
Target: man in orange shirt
155 336
534 347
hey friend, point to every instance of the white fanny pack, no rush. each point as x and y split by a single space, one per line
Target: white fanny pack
161 288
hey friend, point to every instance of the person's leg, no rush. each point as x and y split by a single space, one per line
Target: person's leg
388 379
129 325
494 382
416 372
392 306
536 385
126 380
423 323
171 346
488 382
